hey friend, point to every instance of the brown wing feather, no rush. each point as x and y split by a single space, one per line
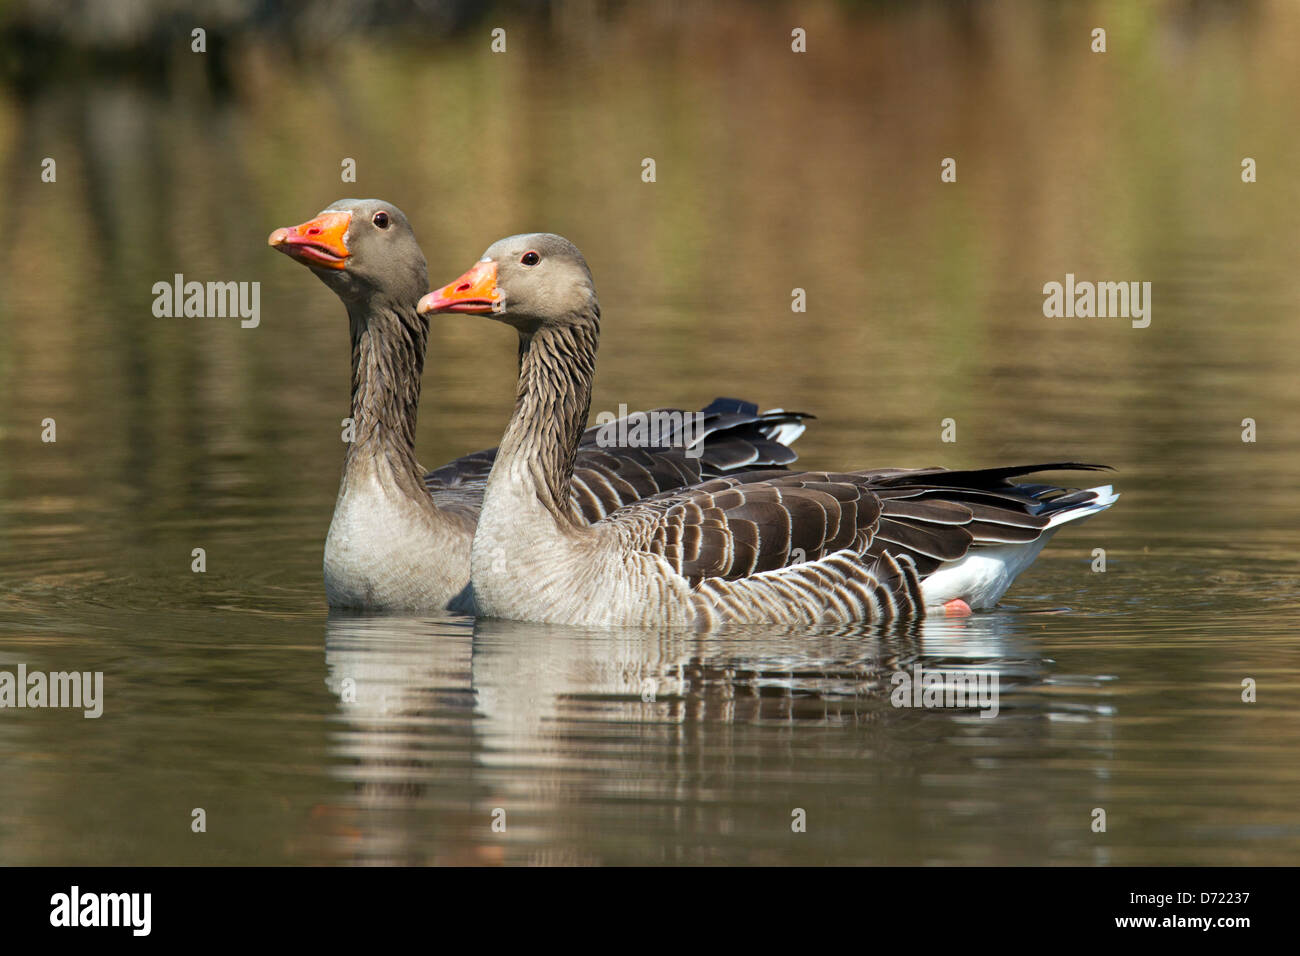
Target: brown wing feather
729 528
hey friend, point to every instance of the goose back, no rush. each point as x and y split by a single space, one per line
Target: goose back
733 438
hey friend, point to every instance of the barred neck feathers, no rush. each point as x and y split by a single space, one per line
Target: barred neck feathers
388 343
556 366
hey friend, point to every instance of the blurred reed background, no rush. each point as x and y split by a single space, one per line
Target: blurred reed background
775 170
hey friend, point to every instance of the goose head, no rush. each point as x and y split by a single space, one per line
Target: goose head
361 249
531 281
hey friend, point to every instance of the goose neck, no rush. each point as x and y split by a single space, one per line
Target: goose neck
388 346
556 367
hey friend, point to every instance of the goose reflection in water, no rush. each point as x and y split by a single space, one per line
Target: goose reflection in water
492 741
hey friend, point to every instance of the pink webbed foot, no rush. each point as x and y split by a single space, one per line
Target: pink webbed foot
956 608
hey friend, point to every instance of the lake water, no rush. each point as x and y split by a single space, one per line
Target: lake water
308 737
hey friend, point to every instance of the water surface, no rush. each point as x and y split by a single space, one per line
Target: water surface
311 738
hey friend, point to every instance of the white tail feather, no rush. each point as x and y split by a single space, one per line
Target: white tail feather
982 576
1106 497
787 433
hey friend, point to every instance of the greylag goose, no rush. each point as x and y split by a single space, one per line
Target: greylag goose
789 548
400 538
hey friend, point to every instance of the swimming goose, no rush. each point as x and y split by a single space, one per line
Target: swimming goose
788 548
400 538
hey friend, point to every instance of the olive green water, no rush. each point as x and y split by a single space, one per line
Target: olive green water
310 738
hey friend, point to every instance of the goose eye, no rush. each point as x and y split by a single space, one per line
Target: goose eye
530 259
381 220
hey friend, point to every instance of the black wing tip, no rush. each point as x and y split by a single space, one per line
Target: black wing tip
730 406
723 405
1014 471
1069 466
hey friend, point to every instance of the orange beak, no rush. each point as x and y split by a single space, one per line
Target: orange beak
317 242
475 292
